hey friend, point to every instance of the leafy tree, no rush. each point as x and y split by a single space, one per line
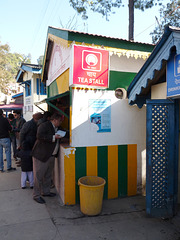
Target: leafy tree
169 15
15 60
40 60
9 65
107 7
4 73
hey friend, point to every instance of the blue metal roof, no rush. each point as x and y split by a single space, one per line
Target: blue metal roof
161 53
17 95
26 67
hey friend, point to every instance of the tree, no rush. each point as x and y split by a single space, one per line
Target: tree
106 8
4 74
15 60
169 15
9 65
40 60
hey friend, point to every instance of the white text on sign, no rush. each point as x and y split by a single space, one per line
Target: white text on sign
90 81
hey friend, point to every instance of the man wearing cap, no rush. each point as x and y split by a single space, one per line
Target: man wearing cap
5 142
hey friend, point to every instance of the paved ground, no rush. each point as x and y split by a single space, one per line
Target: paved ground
121 219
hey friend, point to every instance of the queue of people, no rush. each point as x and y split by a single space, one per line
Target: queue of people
36 143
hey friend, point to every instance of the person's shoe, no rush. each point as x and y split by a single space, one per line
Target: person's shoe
11 169
23 187
2 170
31 187
51 194
39 200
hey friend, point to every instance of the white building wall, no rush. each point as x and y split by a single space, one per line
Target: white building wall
29 107
125 64
37 97
159 91
128 124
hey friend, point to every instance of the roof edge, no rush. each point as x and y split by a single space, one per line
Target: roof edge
96 35
168 30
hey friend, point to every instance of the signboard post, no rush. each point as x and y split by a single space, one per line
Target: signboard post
90 67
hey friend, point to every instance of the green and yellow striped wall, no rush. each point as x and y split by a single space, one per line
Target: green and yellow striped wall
116 164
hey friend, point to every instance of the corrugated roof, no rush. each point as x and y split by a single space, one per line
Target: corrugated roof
31 65
98 35
34 68
17 95
77 37
156 61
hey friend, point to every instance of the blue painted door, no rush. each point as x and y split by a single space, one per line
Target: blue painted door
162 158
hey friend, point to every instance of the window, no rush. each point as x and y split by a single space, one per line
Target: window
28 88
41 87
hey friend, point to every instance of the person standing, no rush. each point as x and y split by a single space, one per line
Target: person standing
29 130
12 121
26 166
19 123
27 138
5 142
44 151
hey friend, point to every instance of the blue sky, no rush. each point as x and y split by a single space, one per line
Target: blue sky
24 24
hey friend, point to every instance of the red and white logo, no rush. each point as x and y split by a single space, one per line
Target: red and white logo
90 67
91 60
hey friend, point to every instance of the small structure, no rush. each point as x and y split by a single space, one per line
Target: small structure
87 77
157 85
8 108
29 75
18 98
16 104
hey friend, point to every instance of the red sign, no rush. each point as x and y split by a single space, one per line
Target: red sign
90 67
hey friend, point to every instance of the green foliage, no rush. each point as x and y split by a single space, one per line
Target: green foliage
169 15
9 65
100 6
40 60
107 7
145 4
4 74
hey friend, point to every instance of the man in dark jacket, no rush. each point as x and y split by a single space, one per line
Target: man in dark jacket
5 142
28 131
46 117
44 152
19 124
27 138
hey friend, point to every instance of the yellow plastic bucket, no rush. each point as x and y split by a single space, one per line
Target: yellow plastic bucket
91 190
